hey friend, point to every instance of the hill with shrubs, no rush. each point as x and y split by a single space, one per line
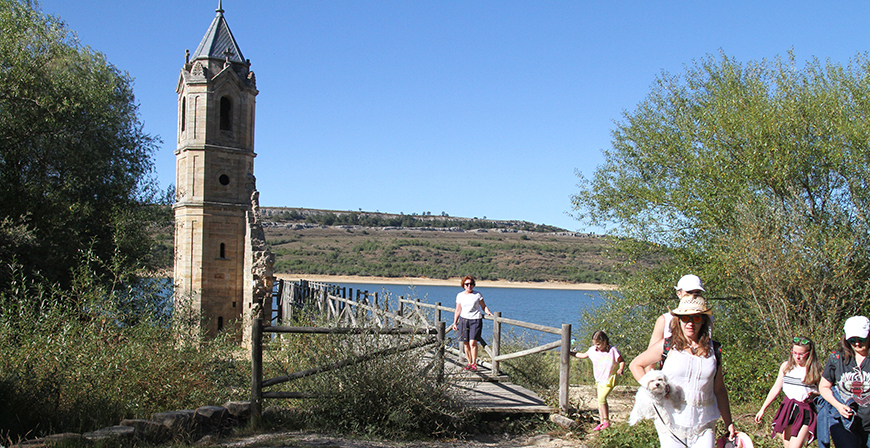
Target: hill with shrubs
326 242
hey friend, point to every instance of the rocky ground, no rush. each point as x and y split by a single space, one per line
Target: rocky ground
582 397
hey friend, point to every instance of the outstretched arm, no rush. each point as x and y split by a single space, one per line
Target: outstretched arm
581 355
774 392
484 307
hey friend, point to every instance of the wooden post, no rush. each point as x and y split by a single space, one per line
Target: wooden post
496 341
401 309
440 366
327 302
564 367
257 370
437 312
280 301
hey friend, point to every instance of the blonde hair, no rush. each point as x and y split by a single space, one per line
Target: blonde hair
814 369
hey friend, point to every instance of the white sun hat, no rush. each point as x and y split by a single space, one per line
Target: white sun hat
857 326
690 283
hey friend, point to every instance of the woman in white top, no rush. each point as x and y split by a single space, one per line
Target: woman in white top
798 379
688 285
468 319
693 365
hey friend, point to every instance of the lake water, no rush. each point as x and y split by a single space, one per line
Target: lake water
550 307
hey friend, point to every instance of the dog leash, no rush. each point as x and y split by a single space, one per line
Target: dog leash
668 426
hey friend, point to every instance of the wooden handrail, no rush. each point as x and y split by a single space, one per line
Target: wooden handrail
348 309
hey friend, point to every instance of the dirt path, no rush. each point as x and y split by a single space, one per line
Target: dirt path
620 401
583 398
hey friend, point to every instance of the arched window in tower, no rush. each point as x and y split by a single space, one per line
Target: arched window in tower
183 113
226 114
223 251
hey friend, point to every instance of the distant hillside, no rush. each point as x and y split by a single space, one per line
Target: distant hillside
283 215
327 242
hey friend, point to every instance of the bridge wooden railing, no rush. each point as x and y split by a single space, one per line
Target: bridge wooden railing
494 349
409 317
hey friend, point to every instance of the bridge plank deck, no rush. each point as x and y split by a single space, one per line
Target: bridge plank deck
485 393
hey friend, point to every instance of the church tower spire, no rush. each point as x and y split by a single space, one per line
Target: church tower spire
215 183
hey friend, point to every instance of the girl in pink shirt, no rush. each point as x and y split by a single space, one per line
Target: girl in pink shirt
604 358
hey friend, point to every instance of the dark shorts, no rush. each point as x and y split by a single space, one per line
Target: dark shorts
470 329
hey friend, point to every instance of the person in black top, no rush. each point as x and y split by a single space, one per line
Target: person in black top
845 384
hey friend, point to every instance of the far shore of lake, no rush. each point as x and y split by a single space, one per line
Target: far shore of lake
339 279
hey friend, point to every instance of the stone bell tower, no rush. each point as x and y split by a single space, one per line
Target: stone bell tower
217 232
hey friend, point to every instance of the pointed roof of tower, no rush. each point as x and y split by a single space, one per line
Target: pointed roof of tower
218 42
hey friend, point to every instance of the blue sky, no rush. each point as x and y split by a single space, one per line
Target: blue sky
473 108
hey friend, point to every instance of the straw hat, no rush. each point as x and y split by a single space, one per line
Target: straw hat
692 305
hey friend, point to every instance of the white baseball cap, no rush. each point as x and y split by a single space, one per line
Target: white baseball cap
689 283
857 326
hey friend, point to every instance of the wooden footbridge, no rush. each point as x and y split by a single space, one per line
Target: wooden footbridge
485 390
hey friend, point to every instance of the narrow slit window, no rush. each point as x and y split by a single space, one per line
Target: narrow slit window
223 253
226 114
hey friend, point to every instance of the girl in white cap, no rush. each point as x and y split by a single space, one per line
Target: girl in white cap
845 384
693 363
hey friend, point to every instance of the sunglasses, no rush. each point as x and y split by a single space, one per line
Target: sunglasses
697 318
469 284
856 340
801 341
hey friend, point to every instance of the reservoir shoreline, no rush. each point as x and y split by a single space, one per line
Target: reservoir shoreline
420 281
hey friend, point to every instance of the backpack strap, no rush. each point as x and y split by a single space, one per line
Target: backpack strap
666 347
717 350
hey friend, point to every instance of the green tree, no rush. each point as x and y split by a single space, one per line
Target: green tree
753 176
75 166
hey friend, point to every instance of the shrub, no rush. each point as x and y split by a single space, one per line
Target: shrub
392 395
78 368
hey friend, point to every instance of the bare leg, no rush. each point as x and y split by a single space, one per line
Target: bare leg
468 356
798 440
604 412
473 352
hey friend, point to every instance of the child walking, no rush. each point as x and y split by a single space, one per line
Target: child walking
604 358
798 379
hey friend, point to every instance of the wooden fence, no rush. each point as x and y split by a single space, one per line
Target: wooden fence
408 317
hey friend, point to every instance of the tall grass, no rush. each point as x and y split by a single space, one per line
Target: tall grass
395 395
80 360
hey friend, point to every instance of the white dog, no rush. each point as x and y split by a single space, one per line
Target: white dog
655 391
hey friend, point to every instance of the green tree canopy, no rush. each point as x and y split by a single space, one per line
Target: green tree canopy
75 166
754 176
